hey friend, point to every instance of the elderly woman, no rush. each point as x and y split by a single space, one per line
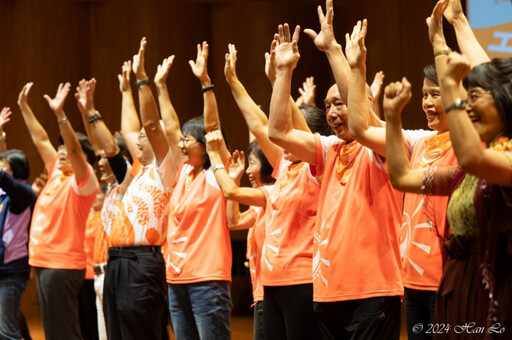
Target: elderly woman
476 285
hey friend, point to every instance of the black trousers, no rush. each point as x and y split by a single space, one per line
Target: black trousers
372 318
288 313
87 311
135 294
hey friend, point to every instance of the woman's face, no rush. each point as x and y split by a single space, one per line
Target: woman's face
254 171
484 114
193 150
433 106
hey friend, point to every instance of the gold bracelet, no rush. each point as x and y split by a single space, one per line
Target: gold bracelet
63 120
444 51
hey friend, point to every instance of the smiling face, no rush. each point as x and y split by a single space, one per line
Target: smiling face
433 107
105 169
484 114
193 151
145 153
337 113
63 163
254 171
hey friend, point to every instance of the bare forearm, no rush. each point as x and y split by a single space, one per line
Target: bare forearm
36 130
280 121
468 44
357 103
169 116
253 115
340 69
129 118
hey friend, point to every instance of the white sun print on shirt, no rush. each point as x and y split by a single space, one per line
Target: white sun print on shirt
318 260
407 239
274 249
181 255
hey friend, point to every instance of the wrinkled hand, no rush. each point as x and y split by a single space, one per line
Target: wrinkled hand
287 51
230 65
236 166
307 92
376 86
435 23
39 183
138 61
355 50
214 140
23 96
4 117
163 70
57 103
457 68
453 11
270 60
199 66
124 77
325 38
396 96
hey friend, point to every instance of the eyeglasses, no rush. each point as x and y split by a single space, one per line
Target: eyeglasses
473 95
187 141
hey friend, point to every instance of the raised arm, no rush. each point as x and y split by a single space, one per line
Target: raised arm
281 130
359 108
4 119
73 148
230 185
96 128
485 163
211 113
468 44
255 118
148 110
169 116
307 92
130 123
326 42
376 88
36 130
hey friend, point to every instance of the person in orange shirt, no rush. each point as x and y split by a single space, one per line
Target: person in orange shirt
56 248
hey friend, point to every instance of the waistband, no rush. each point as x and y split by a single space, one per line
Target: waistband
132 251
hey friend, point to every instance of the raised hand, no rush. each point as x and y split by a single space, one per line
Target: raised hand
453 11
124 77
270 60
214 141
23 96
376 86
163 70
324 40
4 117
236 166
138 61
307 92
355 50
199 66
57 103
287 51
457 68
396 96
435 24
230 65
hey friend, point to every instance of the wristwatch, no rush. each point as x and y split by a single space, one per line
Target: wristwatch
457 104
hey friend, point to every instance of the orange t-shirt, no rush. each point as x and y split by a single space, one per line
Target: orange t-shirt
57 231
255 238
419 243
92 225
356 254
198 245
142 216
289 223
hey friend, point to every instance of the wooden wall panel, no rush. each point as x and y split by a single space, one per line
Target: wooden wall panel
53 41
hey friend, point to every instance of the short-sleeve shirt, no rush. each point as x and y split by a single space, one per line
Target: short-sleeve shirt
289 223
58 222
144 210
356 254
198 245
255 238
424 219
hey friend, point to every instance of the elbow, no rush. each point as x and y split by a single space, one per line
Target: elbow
150 125
276 136
397 179
355 132
111 149
470 164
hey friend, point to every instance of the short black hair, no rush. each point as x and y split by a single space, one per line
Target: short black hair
18 163
430 72
195 127
316 119
86 147
266 169
495 76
